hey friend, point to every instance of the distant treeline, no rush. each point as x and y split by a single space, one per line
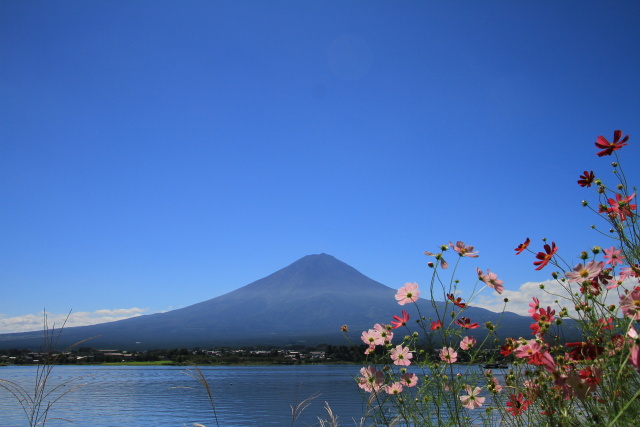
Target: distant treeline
292 354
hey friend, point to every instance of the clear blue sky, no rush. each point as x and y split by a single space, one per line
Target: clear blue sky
157 154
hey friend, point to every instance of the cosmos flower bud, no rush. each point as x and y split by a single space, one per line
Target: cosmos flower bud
596 249
584 255
585 203
614 164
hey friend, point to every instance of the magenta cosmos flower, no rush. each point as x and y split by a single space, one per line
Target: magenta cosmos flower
464 250
630 304
408 293
472 400
401 356
583 273
448 355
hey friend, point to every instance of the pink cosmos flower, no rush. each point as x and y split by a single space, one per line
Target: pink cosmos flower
613 256
630 304
448 355
400 321
528 350
491 279
395 388
472 400
410 380
495 385
582 273
384 335
370 337
464 250
467 343
535 305
634 355
371 379
408 293
401 356
629 272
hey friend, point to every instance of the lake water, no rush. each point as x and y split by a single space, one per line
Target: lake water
145 396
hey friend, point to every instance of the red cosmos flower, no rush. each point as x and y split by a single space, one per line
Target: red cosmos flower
610 147
543 319
592 376
400 321
586 179
436 325
456 301
517 404
466 323
509 346
522 246
584 350
621 206
545 256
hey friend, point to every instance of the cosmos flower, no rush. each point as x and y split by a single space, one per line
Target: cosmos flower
457 301
586 179
464 250
371 379
472 400
630 304
583 273
517 404
395 388
408 293
467 343
491 279
401 356
410 380
609 147
613 256
436 325
522 246
448 355
400 321
545 257
621 207
464 322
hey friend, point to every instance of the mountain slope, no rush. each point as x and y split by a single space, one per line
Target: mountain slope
306 302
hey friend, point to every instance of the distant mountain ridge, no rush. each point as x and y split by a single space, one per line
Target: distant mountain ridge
305 302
